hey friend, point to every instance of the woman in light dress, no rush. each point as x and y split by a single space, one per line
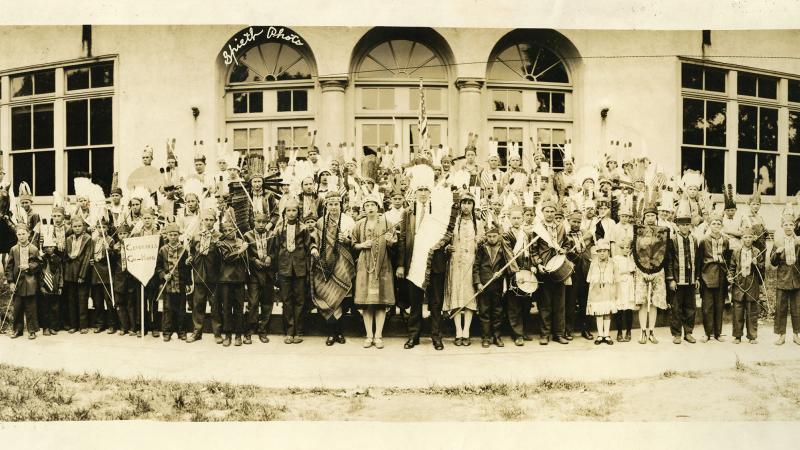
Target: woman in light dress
459 292
374 288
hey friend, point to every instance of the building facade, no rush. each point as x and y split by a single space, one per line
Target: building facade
77 100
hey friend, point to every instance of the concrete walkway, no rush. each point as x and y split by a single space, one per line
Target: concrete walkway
312 364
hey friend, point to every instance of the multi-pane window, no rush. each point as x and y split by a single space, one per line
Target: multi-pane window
505 136
793 159
294 138
552 142
32 147
752 85
509 100
433 99
434 135
704 137
703 78
89 112
248 140
33 83
90 76
248 102
756 158
375 135
794 91
292 100
550 102
74 117
377 98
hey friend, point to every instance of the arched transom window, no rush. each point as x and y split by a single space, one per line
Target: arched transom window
402 58
527 61
273 61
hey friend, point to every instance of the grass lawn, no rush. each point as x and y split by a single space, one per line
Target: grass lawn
761 391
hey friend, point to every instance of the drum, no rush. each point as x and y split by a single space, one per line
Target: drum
525 281
559 268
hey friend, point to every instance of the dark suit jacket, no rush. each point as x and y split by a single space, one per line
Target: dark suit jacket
542 251
713 273
674 263
293 263
27 283
259 272
122 279
750 285
787 277
206 267
483 269
234 267
77 268
163 268
581 260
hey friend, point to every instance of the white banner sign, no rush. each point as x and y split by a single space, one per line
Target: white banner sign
140 254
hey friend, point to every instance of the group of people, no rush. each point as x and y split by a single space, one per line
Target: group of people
342 234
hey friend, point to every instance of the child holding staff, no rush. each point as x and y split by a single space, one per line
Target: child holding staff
744 276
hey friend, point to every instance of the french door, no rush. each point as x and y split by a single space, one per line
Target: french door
373 133
253 138
551 135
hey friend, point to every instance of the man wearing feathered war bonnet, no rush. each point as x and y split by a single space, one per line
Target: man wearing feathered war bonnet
411 256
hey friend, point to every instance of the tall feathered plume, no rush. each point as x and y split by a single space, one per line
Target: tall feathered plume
97 199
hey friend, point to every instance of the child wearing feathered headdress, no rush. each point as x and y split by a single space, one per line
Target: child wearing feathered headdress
745 274
785 256
51 284
21 272
77 253
101 289
714 253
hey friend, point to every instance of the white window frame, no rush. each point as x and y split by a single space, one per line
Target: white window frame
732 111
59 98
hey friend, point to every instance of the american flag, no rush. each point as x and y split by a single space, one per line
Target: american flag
422 123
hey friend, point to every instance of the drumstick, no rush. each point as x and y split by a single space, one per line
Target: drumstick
495 276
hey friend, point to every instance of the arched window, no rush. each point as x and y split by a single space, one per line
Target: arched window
527 61
273 61
530 97
389 64
402 58
270 91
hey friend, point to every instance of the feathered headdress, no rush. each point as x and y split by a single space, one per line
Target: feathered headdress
513 151
691 178
197 152
472 143
24 191
586 172
492 149
421 176
193 186
58 202
171 151
730 200
97 199
567 150
537 150
460 180
683 211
